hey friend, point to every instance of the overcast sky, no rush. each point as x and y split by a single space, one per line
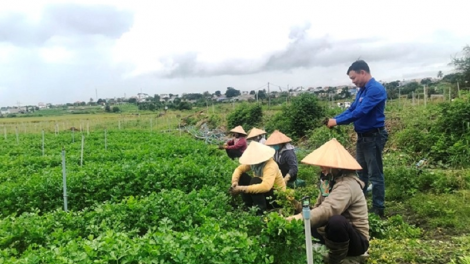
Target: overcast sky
65 51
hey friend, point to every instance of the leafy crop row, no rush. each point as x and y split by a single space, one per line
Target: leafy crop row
130 166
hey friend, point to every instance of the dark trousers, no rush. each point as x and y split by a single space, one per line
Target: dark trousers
264 201
369 156
233 153
338 230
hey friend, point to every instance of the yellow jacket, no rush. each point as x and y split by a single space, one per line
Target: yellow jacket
272 177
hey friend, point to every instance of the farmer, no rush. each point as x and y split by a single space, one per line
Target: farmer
367 113
285 156
235 147
259 189
339 218
257 135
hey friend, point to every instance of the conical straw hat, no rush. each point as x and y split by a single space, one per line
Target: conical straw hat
332 154
238 129
255 132
256 153
277 138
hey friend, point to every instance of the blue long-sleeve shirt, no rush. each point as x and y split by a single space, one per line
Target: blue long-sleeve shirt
367 110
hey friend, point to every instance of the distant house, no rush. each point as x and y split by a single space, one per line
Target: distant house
222 99
41 105
4 111
164 97
17 110
353 91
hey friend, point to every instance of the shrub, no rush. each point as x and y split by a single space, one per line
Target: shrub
185 106
296 119
452 132
414 140
246 116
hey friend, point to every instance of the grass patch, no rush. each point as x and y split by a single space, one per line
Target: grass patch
448 211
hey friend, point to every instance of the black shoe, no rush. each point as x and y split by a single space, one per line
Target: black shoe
377 211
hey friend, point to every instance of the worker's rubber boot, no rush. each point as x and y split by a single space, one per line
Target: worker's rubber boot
337 251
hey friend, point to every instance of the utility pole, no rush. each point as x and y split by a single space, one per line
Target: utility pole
96 94
425 95
269 97
458 89
399 97
288 93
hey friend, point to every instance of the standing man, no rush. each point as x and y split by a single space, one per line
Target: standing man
367 113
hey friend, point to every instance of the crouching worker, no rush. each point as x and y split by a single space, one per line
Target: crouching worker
284 156
259 189
257 135
236 146
339 218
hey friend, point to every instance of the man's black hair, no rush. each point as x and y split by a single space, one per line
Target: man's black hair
357 66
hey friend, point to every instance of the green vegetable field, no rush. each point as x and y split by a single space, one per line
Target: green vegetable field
147 198
146 194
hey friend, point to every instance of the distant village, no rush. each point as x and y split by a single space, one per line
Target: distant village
337 92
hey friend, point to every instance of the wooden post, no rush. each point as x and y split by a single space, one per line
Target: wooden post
105 139
81 154
43 142
64 179
425 95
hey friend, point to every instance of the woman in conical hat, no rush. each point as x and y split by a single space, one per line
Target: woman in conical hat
236 146
257 135
284 156
339 218
259 189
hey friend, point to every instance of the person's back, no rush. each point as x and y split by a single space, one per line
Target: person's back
347 187
287 161
284 156
339 218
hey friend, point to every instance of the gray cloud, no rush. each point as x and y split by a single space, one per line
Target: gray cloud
77 19
306 52
64 20
88 33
